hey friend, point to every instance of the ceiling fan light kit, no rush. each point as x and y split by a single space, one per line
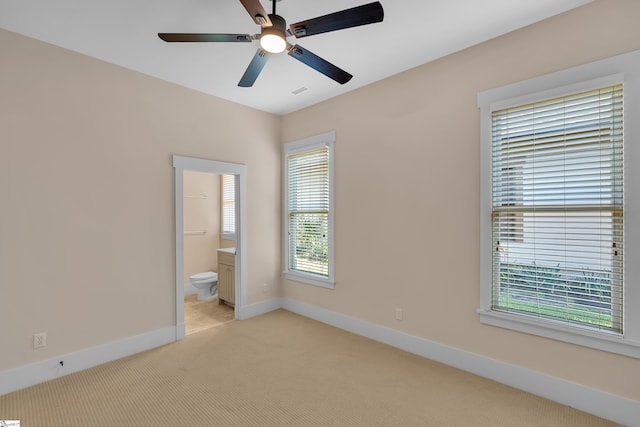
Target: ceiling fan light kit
273 37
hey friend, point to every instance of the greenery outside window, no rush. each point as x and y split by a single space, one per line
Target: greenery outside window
309 210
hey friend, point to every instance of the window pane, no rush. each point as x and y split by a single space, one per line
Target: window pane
557 197
228 204
563 266
309 181
308 210
309 245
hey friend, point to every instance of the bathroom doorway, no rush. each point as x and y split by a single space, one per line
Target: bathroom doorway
209 238
200 240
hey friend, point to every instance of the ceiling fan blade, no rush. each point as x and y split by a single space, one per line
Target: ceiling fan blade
354 17
191 37
257 12
319 64
255 67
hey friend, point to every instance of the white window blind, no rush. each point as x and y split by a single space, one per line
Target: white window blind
557 209
228 205
308 212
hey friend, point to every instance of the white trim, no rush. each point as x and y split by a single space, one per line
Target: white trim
309 279
543 88
25 376
178 184
606 405
619 69
205 165
602 404
327 139
600 340
259 308
39 372
310 142
210 166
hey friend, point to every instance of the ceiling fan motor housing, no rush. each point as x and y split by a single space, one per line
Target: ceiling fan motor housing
278 26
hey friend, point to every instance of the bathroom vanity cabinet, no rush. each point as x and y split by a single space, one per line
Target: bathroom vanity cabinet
227 277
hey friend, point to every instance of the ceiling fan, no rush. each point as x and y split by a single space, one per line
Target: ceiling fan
273 37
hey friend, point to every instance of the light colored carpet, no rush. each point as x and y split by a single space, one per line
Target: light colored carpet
200 315
280 369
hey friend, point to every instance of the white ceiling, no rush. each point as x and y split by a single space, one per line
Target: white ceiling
124 32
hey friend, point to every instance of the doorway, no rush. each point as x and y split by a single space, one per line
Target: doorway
182 164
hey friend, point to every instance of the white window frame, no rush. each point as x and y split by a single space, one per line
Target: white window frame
223 234
309 144
623 69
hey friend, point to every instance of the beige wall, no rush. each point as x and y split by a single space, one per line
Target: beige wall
201 211
87 198
91 260
407 196
226 243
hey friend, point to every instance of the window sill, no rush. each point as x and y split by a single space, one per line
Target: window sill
310 279
598 340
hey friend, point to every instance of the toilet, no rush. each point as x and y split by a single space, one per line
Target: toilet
206 284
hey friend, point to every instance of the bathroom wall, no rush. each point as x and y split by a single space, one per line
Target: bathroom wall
201 222
226 243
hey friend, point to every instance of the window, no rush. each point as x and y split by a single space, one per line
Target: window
556 206
228 223
557 209
309 210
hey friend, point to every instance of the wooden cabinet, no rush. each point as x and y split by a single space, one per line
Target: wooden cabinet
226 278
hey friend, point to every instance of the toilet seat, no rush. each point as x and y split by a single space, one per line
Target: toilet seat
209 275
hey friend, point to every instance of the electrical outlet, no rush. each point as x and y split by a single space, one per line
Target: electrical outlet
265 287
398 314
39 340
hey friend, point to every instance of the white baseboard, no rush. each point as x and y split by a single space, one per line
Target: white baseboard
253 310
602 404
35 373
39 372
606 405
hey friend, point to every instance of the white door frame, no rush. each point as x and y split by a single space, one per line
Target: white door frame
181 164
